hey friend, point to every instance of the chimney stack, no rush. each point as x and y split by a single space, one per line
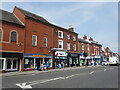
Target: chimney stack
71 28
91 39
85 37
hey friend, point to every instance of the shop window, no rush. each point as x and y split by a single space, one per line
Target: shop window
60 34
29 63
14 64
9 63
68 46
1 64
45 42
60 44
34 40
13 36
0 34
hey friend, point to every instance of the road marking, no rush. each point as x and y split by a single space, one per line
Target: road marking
104 69
28 85
110 68
23 85
92 72
70 76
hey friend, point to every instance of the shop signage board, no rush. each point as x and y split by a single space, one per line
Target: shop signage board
37 55
58 57
73 54
61 53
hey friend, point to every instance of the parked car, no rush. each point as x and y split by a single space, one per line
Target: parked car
114 61
105 63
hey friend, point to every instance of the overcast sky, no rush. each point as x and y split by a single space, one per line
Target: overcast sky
98 20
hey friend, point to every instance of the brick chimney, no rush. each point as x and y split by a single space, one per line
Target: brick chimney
90 39
85 37
71 28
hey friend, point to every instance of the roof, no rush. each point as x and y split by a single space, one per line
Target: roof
96 43
33 16
83 41
9 17
39 18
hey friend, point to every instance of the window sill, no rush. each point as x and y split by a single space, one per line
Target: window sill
34 46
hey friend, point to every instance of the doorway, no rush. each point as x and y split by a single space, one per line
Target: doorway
38 62
11 64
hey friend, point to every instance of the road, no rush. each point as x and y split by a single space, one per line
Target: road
90 77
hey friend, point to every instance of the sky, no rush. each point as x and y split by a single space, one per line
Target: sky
98 20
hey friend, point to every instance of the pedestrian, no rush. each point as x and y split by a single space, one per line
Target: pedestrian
44 67
47 65
81 62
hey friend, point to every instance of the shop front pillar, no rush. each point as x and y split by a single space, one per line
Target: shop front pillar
22 64
34 62
4 64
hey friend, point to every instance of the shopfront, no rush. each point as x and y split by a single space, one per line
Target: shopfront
97 59
34 61
60 59
73 59
10 61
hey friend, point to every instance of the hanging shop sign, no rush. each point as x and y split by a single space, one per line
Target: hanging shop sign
61 53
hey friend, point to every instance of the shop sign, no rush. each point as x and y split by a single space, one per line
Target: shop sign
73 54
39 56
61 53
57 57
27 55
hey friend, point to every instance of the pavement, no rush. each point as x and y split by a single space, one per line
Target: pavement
36 71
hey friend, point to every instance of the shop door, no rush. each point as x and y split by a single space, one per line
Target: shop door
11 64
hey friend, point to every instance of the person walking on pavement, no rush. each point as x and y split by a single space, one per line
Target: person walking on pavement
81 62
47 65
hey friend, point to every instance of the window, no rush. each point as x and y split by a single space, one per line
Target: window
74 47
68 36
1 64
28 63
83 46
88 47
60 34
0 35
74 38
60 44
13 36
68 46
45 42
34 40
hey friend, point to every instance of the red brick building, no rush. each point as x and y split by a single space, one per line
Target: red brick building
91 48
51 41
35 41
11 42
